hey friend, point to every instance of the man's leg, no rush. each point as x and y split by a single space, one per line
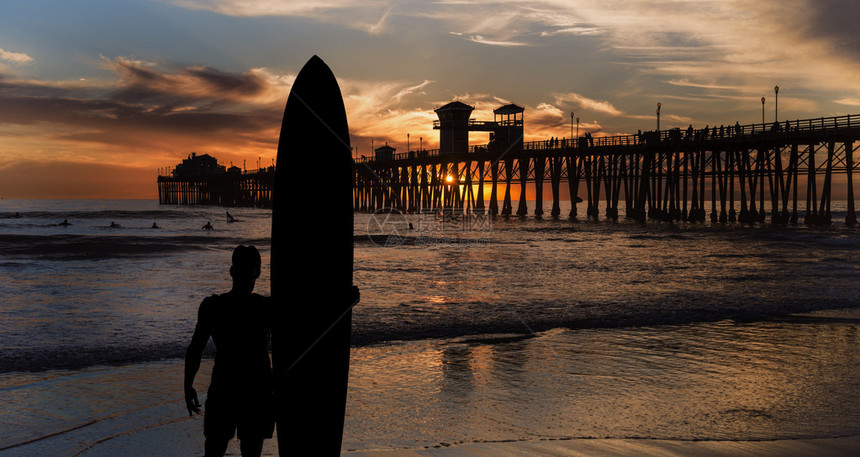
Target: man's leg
251 447
219 426
216 447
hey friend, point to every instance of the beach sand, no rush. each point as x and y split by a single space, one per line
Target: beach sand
772 388
159 431
183 439
833 447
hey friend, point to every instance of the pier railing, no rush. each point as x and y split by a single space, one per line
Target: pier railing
735 131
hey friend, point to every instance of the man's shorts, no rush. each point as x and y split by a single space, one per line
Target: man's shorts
254 419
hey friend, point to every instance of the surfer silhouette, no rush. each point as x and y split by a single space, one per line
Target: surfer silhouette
230 217
65 223
239 398
208 226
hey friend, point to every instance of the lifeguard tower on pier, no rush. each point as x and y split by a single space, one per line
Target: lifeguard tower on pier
508 131
454 125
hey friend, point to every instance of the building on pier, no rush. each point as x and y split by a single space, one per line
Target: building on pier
200 180
453 126
507 129
385 152
455 123
199 166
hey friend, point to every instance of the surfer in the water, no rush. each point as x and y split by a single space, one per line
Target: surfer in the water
240 393
208 226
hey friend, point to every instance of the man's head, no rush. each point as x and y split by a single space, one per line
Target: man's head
246 266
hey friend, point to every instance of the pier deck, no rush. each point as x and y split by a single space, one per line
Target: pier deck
722 173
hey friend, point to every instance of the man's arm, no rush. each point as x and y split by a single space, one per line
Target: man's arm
193 356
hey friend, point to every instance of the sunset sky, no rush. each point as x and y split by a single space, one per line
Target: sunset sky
97 95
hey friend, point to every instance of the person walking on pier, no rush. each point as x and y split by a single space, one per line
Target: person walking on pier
240 395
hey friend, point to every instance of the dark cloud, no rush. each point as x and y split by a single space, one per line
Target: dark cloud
245 84
835 21
108 115
141 83
143 103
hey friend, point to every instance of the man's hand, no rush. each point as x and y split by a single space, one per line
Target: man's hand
191 401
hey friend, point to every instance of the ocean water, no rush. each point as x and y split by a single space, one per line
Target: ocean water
469 328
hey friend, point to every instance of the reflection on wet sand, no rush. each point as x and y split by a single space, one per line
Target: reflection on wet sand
725 380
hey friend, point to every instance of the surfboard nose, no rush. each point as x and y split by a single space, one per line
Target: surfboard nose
315 74
314 114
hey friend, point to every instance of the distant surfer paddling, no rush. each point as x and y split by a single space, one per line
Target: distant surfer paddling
240 394
208 226
65 223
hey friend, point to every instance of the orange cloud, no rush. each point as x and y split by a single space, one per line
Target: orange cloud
582 102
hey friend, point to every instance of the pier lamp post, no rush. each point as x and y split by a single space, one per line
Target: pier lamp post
762 110
659 105
420 143
577 127
571 125
776 104
407 143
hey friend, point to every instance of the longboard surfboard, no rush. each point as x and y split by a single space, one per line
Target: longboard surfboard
311 269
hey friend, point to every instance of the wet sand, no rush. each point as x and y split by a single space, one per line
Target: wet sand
177 439
833 447
782 387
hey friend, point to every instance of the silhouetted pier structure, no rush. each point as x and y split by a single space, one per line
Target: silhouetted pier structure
199 180
721 174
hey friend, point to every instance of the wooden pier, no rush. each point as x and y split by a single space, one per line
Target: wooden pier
247 188
780 172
